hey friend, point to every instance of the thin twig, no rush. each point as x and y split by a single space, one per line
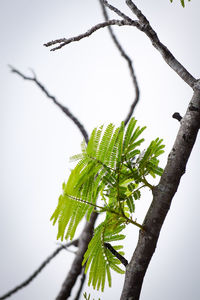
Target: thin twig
125 56
143 25
64 41
116 10
115 253
68 250
63 108
82 281
37 271
85 237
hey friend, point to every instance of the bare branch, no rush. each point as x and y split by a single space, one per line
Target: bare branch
137 12
79 37
37 271
166 54
76 267
126 57
116 10
66 248
117 254
82 281
85 237
63 42
62 107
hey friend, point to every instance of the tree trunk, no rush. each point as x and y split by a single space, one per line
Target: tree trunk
162 197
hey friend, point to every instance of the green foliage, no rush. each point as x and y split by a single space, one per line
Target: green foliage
182 2
109 177
98 258
87 297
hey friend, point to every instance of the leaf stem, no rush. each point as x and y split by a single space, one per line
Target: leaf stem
85 201
108 210
146 182
125 217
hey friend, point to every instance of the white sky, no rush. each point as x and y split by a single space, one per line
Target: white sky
93 81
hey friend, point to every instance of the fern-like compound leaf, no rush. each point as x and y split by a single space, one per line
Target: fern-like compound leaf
148 163
108 178
98 259
128 134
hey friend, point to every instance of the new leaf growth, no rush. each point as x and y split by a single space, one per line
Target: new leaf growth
182 2
110 174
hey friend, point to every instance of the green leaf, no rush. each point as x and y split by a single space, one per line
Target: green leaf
130 204
131 157
137 195
99 259
120 143
134 145
131 187
137 133
116 237
148 163
87 297
103 147
182 2
94 141
111 170
128 133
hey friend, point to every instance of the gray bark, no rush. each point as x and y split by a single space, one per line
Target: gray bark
76 267
162 196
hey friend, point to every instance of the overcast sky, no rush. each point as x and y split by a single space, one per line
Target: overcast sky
92 80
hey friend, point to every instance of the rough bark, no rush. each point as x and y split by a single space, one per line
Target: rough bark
162 196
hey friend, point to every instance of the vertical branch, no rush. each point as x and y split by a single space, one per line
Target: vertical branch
163 194
76 267
82 281
127 58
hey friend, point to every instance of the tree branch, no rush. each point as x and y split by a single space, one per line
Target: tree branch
125 56
64 41
117 254
37 271
162 197
166 54
88 229
82 281
175 168
143 25
76 267
116 10
63 108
